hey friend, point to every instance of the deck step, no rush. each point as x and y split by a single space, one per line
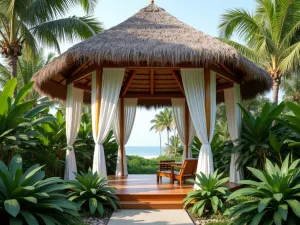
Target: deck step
151 205
151 197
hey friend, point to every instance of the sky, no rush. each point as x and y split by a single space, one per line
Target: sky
200 14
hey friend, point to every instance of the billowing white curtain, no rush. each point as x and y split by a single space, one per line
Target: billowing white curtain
111 86
73 117
232 97
129 117
178 106
194 87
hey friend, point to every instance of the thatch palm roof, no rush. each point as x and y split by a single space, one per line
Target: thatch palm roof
155 38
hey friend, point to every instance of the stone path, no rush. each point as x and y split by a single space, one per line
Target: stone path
155 217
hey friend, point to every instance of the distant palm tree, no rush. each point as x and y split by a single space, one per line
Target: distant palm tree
27 23
291 87
158 128
174 147
271 35
166 121
26 68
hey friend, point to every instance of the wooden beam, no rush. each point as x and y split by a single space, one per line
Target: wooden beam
82 86
186 128
223 86
127 84
179 82
224 74
81 74
207 99
155 96
152 82
98 96
122 134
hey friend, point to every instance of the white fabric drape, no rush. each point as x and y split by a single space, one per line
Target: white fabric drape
232 97
178 106
194 87
110 91
129 117
73 117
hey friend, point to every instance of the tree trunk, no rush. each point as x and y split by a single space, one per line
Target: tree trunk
168 137
160 142
12 62
276 84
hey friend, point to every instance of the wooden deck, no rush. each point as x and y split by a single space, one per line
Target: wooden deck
142 192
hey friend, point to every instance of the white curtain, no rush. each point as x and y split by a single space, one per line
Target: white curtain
178 106
232 97
73 117
110 91
194 87
129 117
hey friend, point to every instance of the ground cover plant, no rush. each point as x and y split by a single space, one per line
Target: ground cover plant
210 195
275 196
91 193
29 198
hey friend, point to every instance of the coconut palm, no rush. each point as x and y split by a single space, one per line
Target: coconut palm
174 147
157 128
26 68
271 36
291 88
166 121
27 23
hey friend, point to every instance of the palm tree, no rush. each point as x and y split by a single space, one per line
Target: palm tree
27 23
291 87
271 36
158 128
166 121
26 68
174 147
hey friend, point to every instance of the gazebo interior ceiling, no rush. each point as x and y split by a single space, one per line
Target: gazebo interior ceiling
153 86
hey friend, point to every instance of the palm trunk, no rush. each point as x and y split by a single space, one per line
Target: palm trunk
168 137
12 62
160 142
276 84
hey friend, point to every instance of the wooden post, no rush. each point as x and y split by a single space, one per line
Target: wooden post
122 135
98 96
207 99
186 129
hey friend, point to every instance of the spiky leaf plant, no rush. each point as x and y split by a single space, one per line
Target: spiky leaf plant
211 195
28 198
90 191
275 197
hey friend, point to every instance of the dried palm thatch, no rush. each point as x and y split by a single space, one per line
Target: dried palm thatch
154 37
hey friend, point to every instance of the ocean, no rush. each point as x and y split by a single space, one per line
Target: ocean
144 151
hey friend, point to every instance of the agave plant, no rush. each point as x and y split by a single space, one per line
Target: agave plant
90 191
211 195
28 198
275 197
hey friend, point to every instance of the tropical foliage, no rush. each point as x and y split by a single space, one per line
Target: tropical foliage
28 23
271 35
29 198
275 196
17 118
211 194
174 147
90 191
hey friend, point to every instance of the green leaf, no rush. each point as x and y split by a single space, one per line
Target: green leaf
100 209
12 207
283 210
23 92
278 196
257 218
29 218
263 203
277 218
15 163
295 205
93 205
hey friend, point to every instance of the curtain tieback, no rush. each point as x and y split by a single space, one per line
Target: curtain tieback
207 144
70 147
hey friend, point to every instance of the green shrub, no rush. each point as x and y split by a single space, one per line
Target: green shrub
211 195
275 197
90 191
30 199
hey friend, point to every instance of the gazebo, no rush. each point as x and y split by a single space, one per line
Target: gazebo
151 59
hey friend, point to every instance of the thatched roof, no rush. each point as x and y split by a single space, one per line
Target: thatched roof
152 37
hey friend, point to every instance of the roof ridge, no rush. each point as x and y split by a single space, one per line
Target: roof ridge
152 8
